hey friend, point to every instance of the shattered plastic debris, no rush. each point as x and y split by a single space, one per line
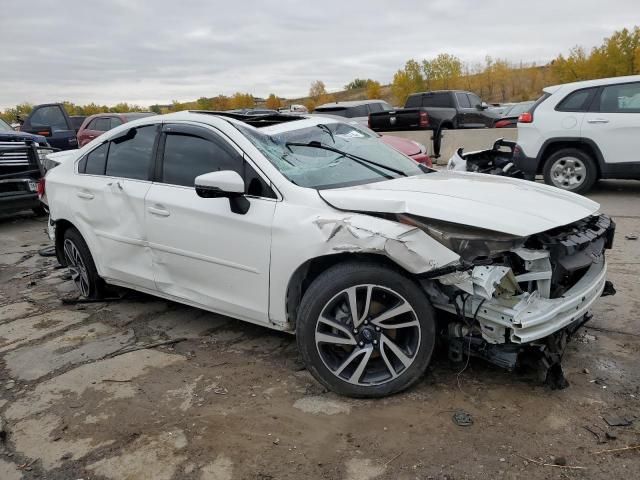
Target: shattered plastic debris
462 418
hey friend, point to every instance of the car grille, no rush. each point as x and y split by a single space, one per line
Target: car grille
14 157
574 248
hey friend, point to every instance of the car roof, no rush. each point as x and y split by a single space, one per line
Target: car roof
593 83
351 103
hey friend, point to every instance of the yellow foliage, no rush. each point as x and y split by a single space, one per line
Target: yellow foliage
374 89
273 102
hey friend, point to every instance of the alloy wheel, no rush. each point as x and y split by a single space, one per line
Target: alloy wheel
568 173
77 268
368 335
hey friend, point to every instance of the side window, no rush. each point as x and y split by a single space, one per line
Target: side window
624 98
463 100
130 156
414 101
577 101
474 100
101 124
94 162
49 117
187 156
115 122
359 111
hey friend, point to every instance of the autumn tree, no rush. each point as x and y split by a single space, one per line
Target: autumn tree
373 89
442 72
242 100
273 102
318 95
407 81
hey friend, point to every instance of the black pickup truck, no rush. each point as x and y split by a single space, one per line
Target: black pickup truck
437 110
22 166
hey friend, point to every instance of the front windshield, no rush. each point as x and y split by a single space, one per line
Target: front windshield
317 168
5 127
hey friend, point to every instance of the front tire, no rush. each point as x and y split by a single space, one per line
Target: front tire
81 265
571 169
365 330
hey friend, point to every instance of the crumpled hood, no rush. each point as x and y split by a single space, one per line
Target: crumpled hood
508 205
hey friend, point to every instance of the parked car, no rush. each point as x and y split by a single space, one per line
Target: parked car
333 236
21 169
579 132
51 121
294 109
436 110
96 125
410 148
357 110
509 118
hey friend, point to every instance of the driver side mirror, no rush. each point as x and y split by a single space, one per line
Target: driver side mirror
482 106
224 183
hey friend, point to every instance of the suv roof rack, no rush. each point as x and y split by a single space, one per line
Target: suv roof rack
253 120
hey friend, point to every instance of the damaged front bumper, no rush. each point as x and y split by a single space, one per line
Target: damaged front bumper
529 317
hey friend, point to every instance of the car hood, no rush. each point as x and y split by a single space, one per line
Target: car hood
21 137
508 205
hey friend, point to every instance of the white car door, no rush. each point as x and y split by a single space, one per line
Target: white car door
202 251
614 126
113 181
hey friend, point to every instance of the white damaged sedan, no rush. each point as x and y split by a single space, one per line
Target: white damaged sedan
311 226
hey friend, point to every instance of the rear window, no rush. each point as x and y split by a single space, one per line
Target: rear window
341 111
437 100
577 101
414 101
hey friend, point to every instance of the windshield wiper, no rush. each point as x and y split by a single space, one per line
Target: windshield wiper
363 161
326 129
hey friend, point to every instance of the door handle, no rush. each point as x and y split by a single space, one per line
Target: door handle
85 195
598 120
160 212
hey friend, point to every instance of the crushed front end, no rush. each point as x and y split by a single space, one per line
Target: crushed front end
529 299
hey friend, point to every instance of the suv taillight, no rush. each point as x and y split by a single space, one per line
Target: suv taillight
502 123
424 119
40 188
526 117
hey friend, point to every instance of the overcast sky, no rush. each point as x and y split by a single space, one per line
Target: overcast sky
148 52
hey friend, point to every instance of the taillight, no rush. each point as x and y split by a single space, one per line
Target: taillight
424 119
502 123
526 117
40 188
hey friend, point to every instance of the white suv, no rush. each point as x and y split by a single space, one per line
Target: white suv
579 132
314 227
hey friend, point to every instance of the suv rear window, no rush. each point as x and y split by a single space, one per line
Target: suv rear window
577 101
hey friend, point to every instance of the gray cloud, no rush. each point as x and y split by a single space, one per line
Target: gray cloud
158 50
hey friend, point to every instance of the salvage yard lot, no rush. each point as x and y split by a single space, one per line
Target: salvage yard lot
81 396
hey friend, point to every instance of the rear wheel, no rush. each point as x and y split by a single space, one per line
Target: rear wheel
81 266
571 169
365 330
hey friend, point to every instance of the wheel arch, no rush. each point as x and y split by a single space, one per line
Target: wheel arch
585 145
306 273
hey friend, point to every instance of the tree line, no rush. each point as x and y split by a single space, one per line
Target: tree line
494 80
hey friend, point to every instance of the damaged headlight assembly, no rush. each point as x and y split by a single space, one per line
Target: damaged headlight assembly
475 246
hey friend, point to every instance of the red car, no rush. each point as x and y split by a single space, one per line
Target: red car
410 148
96 125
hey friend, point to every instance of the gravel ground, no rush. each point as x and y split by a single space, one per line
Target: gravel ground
81 398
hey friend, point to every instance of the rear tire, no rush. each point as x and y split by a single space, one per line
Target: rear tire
367 354
81 265
571 169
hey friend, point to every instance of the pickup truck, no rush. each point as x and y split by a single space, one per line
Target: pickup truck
22 165
436 110
52 122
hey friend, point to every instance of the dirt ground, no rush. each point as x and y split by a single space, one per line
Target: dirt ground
232 401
